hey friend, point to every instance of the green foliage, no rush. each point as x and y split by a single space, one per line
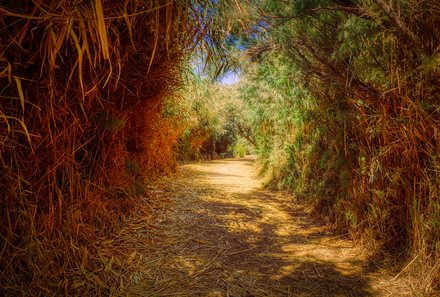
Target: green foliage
342 102
208 110
240 148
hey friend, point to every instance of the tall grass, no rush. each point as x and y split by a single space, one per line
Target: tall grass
207 109
81 124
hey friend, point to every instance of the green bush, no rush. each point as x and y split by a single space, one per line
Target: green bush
240 148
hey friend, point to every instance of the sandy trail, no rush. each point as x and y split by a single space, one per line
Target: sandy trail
223 235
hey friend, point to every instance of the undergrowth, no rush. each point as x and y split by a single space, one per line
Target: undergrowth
84 85
342 100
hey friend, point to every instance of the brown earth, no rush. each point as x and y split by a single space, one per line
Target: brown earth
223 235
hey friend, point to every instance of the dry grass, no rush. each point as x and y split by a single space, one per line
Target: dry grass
397 189
220 234
81 126
83 85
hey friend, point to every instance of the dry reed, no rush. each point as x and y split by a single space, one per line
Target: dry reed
83 86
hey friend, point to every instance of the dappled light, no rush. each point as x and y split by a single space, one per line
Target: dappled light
230 236
220 148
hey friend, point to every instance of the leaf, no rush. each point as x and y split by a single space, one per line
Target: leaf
80 59
20 91
131 257
102 31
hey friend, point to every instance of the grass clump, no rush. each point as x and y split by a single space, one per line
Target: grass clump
84 85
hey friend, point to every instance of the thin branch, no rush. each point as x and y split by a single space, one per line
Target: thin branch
395 18
349 9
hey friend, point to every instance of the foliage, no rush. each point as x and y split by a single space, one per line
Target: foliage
342 101
82 124
207 112
240 148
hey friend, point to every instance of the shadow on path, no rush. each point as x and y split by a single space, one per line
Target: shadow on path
225 236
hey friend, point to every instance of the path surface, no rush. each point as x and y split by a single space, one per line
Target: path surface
223 235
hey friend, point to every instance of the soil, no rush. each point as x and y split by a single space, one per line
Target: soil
222 234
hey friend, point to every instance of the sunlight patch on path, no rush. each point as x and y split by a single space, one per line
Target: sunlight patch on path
226 236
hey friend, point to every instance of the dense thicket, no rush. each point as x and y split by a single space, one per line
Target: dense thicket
83 85
209 112
344 107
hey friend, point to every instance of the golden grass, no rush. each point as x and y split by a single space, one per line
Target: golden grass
219 236
83 86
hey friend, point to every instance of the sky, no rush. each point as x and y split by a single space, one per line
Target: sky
229 78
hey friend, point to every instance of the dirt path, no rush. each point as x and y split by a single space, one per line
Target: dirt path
222 235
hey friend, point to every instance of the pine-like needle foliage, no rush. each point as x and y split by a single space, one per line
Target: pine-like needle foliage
344 105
